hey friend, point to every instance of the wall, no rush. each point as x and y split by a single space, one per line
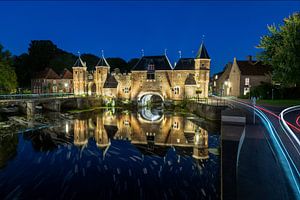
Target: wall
209 112
253 81
233 88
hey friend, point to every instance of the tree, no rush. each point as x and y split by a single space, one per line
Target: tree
23 71
8 78
62 60
281 50
118 63
41 53
91 60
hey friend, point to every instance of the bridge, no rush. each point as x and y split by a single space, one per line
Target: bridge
27 102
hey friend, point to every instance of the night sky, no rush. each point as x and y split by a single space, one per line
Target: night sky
122 29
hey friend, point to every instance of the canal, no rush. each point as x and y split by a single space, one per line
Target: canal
112 154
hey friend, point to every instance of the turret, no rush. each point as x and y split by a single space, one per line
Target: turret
101 72
79 77
202 69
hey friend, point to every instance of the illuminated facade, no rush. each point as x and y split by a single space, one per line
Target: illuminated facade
151 76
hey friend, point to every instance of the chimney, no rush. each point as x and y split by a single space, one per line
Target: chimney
249 58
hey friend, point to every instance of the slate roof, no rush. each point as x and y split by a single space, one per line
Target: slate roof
67 74
79 63
202 52
219 74
47 73
110 82
159 62
102 62
190 80
253 68
185 64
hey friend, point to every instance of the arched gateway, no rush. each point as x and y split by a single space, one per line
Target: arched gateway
146 98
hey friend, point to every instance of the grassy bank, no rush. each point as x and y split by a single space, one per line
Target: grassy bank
280 102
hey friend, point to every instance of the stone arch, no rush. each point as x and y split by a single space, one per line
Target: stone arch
144 97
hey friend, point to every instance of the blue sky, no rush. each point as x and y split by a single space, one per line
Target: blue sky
122 29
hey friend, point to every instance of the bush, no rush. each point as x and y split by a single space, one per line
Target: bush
264 91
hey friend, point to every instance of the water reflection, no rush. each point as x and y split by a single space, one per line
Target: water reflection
113 155
166 130
8 148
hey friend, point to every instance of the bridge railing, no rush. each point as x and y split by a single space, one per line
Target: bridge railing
35 96
211 101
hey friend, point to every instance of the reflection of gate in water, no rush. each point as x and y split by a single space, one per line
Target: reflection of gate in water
147 127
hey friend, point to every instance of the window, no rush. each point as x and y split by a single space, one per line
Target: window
215 83
176 90
175 125
126 90
247 81
150 76
126 122
150 72
246 90
216 77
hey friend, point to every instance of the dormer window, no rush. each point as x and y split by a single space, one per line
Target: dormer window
150 67
151 72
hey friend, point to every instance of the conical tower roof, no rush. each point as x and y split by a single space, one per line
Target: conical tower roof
102 62
79 63
202 52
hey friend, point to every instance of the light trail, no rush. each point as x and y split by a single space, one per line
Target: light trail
285 159
298 121
279 117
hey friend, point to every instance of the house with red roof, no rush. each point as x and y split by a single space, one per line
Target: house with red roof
48 81
240 76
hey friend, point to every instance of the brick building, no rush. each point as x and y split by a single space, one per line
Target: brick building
48 81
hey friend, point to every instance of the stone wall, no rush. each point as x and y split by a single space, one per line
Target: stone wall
210 112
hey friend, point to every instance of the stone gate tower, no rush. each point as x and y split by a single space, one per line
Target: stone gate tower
100 74
80 77
202 69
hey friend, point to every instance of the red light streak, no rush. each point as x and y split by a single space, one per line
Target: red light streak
288 123
298 121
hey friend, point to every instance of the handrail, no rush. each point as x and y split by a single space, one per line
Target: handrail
34 96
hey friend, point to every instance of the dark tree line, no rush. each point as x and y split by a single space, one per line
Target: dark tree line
44 53
8 78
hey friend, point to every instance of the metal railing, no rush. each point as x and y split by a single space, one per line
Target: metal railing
35 96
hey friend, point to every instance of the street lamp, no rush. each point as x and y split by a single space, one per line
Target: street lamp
66 86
